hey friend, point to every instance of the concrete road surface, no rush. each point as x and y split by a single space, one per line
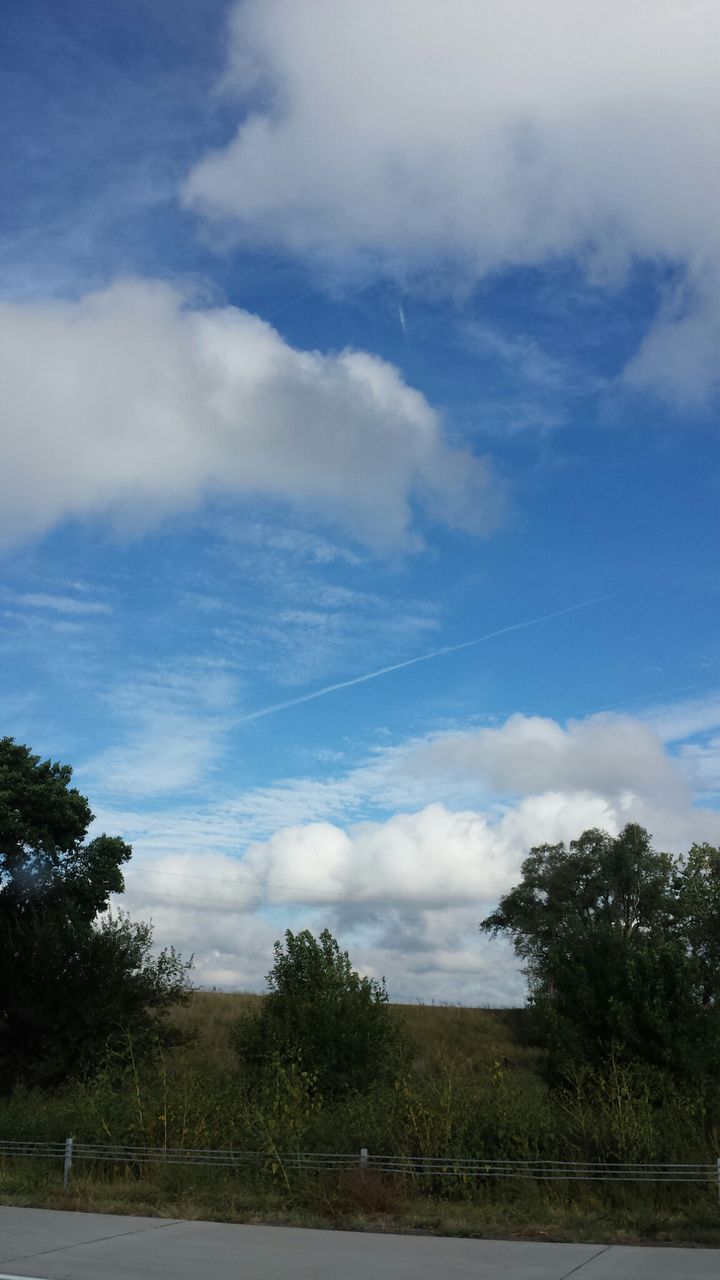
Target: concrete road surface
51 1245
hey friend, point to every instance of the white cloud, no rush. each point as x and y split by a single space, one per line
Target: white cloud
425 877
168 753
403 134
605 753
700 762
674 721
289 542
679 355
132 401
433 856
406 892
62 604
176 721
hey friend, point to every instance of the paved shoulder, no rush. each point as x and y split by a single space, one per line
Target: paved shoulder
40 1231
639 1263
50 1245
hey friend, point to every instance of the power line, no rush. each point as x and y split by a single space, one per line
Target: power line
417 903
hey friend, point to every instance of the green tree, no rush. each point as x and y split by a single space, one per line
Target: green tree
73 978
321 1014
698 889
620 944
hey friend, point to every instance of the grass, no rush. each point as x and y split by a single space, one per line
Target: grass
381 1206
470 1040
474 1087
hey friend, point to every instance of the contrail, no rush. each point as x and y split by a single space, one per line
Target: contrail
401 314
410 662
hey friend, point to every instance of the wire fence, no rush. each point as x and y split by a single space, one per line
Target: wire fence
402 1165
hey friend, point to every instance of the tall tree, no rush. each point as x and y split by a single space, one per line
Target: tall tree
71 979
620 944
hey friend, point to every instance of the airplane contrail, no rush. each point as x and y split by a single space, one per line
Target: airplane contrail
410 662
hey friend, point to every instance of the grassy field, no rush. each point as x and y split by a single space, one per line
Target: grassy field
474 1087
467 1040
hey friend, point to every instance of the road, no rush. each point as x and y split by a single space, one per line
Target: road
49 1245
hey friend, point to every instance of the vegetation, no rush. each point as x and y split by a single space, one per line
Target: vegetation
613 1061
477 1085
621 948
321 1017
74 980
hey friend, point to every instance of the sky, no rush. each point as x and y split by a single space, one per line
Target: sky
359 490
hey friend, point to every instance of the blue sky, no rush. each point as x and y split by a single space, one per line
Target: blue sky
333 336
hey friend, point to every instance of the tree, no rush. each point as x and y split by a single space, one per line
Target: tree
73 978
620 945
321 1013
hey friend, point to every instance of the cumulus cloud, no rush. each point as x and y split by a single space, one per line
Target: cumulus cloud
410 133
405 892
434 856
606 753
133 401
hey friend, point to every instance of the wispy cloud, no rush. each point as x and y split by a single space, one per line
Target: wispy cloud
172 724
675 721
410 662
536 368
62 604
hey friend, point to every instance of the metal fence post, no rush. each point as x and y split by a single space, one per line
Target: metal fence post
68 1163
364 1159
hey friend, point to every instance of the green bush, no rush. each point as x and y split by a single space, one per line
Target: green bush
321 1016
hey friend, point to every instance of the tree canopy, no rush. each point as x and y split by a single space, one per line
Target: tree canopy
73 978
621 947
320 1012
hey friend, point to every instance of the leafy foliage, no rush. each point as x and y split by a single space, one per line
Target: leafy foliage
321 1014
620 945
69 983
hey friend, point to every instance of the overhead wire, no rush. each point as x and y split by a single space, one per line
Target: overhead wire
305 901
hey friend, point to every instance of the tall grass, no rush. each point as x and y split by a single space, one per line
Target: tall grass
474 1088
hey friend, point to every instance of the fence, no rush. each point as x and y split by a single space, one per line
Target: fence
407 1166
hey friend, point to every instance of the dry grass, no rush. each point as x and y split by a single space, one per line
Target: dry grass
468 1040
368 1204
208 1017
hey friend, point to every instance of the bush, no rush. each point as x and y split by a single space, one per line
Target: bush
321 1015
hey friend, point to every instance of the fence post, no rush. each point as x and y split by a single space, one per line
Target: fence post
718 1178
68 1163
364 1159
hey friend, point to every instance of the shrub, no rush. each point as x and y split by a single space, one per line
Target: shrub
321 1014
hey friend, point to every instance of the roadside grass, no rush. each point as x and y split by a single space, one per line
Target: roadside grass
381 1205
475 1087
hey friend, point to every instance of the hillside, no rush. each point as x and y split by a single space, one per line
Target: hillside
474 1088
467 1041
